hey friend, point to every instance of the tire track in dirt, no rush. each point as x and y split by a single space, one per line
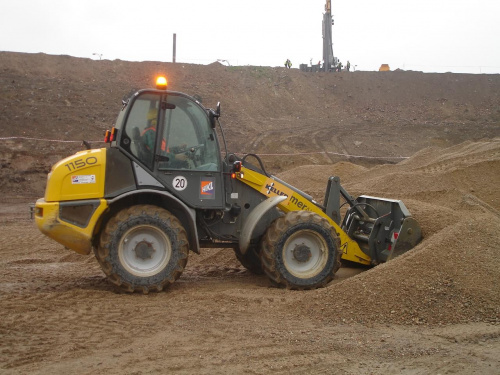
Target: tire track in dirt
335 145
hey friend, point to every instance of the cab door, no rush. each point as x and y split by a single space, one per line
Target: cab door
188 157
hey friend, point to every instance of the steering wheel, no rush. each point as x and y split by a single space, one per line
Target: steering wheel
194 154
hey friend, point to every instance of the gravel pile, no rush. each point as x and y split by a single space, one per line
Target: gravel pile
452 275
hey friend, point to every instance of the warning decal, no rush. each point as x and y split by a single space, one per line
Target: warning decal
83 179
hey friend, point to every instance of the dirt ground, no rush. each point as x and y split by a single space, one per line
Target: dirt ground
435 309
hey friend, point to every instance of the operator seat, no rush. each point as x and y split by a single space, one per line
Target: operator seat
139 149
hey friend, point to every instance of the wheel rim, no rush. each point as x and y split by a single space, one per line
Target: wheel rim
305 254
144 250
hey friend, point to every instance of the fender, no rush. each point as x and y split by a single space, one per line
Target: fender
185 214
254 218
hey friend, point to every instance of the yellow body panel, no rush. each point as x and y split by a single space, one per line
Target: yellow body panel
71 236
80 176
294 202
75 178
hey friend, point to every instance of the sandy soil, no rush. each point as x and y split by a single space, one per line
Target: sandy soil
435 309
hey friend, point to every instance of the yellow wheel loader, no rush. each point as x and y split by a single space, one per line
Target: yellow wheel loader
163 187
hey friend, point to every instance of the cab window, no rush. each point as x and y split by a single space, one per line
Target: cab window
188 140
140 131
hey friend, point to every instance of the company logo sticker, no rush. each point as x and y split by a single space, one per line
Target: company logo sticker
207 188
272 188
83 179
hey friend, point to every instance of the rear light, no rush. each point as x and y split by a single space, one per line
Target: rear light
110 136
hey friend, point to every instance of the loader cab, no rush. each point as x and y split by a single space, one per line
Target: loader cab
170 136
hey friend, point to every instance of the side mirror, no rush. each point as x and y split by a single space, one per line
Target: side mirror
217 111
212 115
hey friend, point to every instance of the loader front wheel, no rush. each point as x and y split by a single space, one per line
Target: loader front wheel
143 248
300 251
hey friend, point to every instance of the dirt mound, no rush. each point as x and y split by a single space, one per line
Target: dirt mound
450 278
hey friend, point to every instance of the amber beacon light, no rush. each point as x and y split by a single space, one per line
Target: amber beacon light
161 83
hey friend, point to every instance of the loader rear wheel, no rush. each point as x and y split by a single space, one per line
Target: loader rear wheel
300 251
143 248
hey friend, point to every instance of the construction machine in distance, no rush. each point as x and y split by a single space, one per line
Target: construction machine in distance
163 187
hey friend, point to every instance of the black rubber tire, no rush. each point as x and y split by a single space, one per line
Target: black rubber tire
250 260
143 248
300 251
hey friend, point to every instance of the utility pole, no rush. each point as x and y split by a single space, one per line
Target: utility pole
175 48
328 58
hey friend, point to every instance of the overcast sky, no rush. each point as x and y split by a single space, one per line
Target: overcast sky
427 35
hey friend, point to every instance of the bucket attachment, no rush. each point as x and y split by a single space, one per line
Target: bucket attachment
410 235
383 228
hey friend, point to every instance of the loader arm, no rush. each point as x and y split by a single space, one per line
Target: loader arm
297 201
